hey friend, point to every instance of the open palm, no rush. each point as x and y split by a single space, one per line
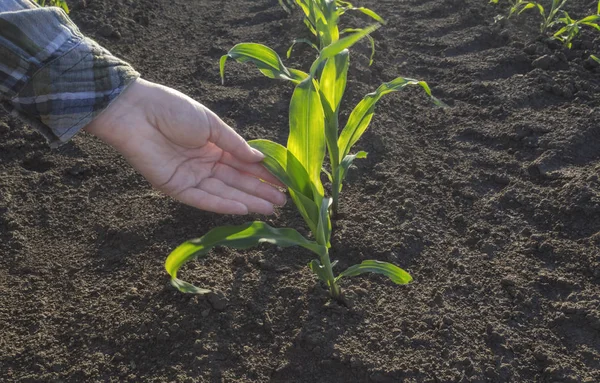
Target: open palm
186 151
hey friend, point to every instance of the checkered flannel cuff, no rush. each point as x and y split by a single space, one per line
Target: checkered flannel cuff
68 93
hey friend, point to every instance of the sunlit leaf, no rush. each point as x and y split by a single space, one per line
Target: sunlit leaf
361 116
393 272
266 59
237 237
307 122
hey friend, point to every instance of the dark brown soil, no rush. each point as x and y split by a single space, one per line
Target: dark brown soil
493 205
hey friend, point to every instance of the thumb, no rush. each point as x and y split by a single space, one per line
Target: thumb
227 139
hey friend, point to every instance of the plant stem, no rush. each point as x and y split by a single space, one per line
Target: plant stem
334 289
335 190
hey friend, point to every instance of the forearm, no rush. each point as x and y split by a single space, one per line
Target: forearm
50 74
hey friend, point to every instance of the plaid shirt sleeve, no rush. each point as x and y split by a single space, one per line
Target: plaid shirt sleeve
52 76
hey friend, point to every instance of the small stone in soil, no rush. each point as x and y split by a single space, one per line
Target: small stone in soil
107 30
218 300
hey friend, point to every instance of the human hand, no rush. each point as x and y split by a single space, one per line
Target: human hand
186 151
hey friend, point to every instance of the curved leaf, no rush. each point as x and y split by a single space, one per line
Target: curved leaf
296 41
283 165
367 12
275 159
361 116
341 44
286 5
238 237
393 272
371 42
265 58
347 161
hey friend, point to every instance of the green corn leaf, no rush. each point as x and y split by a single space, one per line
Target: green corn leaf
275 160
318 269
371 42
328 174
590 19
324 226
308 210
310 27
332 83
306 7
346 42
596 59
593 25
347 161
361 116
396 274
296 41
338 46
566 18
317 22
298 172
283 165
266 59
286 5
341 3
237 237
521 6
331 132
307 139
329 8
306 195
298 75
367 12
529 6
54 3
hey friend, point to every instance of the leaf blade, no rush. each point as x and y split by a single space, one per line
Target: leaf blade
266 60
393 272
283 165
306 140
238 237
361 116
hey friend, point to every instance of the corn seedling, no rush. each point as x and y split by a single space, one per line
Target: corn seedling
313 19
314 130
549 18
572 27
54 3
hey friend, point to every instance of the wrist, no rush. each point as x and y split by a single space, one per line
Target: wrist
111 123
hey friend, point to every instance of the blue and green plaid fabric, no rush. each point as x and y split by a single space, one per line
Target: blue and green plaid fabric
50 74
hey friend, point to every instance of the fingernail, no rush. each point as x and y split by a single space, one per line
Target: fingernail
258 153
283 200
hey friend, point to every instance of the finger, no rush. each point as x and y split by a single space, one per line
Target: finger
256 170
249 184
254 204
203 200
227 139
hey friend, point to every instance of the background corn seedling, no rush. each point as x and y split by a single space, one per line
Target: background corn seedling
572 27
549 17
54 3
314 130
